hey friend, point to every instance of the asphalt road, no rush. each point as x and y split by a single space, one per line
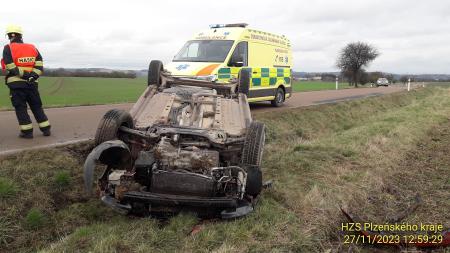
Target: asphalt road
72 124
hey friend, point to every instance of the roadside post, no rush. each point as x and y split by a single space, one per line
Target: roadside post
337 82
409 84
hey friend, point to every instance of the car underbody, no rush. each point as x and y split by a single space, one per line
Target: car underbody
185 145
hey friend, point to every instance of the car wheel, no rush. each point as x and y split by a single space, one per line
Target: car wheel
279 98
252 157
254 180
244 81
110 123
154 73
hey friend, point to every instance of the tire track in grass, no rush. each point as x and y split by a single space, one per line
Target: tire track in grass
59 86
50 88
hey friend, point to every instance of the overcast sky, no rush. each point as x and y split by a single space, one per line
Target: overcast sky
412 36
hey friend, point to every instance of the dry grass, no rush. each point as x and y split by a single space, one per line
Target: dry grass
352 158
353 154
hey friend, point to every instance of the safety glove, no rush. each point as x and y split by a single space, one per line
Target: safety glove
34 75
31 80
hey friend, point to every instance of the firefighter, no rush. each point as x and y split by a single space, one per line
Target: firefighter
24 65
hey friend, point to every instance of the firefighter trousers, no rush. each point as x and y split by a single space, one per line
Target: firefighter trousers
20 98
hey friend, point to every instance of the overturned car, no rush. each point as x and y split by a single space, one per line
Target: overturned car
185 145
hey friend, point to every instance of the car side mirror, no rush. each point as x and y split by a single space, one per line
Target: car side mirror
238 64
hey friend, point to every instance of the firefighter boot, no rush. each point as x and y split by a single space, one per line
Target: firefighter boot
45 128
46 132
26 134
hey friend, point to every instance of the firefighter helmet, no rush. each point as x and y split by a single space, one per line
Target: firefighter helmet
13 29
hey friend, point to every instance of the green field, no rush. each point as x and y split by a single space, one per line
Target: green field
68 91
370 156
317 85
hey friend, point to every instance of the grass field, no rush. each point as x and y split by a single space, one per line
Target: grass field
317 85
370 156
67 91
70 91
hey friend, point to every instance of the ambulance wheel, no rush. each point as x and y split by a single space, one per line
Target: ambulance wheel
252 157
279 98
109 125
244 81
154 73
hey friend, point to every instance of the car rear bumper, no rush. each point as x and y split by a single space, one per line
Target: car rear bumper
160 199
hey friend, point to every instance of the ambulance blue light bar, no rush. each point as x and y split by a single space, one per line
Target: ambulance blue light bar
228 25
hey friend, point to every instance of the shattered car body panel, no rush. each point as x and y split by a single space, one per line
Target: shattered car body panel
180 148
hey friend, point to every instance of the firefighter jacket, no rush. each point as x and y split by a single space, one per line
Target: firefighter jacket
21 61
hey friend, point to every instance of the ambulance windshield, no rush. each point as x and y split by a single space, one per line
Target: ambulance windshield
204 51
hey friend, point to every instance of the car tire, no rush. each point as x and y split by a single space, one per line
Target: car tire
244 81
110 123
154 73
254 183
252 157
280 96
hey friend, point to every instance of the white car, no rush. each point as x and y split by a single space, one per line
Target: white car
382 82
186 144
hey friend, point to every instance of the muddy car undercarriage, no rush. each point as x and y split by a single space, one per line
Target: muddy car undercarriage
185 145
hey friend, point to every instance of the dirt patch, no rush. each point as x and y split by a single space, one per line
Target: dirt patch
80 150
425 172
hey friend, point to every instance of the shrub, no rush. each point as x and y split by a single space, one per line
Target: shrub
7 188
35 219
62 179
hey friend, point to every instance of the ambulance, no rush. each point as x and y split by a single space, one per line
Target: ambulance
218 54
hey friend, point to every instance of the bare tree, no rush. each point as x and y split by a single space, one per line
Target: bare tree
354 57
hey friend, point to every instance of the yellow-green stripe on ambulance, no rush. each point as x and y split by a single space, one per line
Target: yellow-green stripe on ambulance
222 51
264 81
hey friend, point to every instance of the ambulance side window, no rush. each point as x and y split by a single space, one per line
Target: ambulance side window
192 51
239 58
